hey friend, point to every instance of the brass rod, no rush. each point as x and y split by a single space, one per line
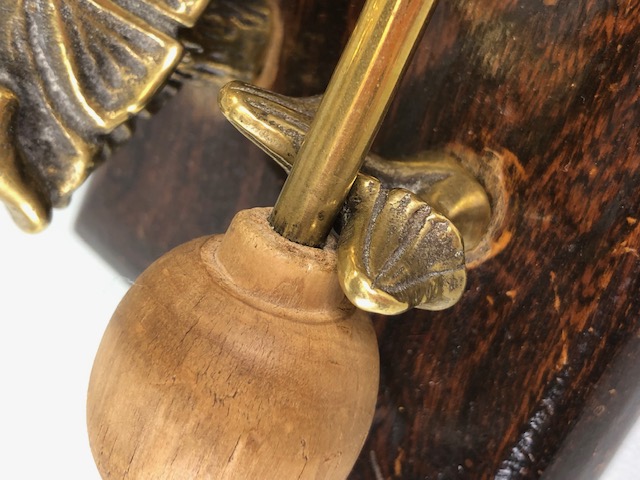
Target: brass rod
348 118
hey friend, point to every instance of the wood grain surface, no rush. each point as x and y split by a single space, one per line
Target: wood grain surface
549 90
221 364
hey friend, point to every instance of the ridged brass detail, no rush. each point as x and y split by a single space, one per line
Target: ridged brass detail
396 251
80 69
278 125
348 118
22 198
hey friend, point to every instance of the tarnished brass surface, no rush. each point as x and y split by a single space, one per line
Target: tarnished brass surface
185 12
80 69
395 251
234 39
348 118
26 205
278 124
438 179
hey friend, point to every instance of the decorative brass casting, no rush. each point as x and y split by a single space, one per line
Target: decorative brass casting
278 125
343 129
29 210
439 179
92 64
396 252
78 70
234 40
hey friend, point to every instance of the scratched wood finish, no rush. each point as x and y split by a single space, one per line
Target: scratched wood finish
195 373
492 387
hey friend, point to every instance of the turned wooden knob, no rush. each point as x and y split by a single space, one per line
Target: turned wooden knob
234 357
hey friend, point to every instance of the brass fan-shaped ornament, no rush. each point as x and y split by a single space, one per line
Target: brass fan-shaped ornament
71 73
396 253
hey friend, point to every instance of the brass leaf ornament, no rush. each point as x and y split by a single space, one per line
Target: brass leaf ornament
27 207
278 124
396 253
77 71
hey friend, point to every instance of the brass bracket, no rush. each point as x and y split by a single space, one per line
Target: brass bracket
407 222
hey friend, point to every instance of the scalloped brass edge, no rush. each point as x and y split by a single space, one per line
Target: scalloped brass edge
25 202
396 253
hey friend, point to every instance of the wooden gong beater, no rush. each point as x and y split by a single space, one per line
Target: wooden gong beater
238 356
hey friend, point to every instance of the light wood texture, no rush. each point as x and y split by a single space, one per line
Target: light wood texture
234 357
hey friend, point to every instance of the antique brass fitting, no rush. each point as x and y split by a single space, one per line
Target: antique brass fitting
72 74
406 223
348 118
28 208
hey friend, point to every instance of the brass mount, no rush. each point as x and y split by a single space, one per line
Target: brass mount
406 223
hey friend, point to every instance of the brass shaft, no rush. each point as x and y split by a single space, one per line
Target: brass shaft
349 116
